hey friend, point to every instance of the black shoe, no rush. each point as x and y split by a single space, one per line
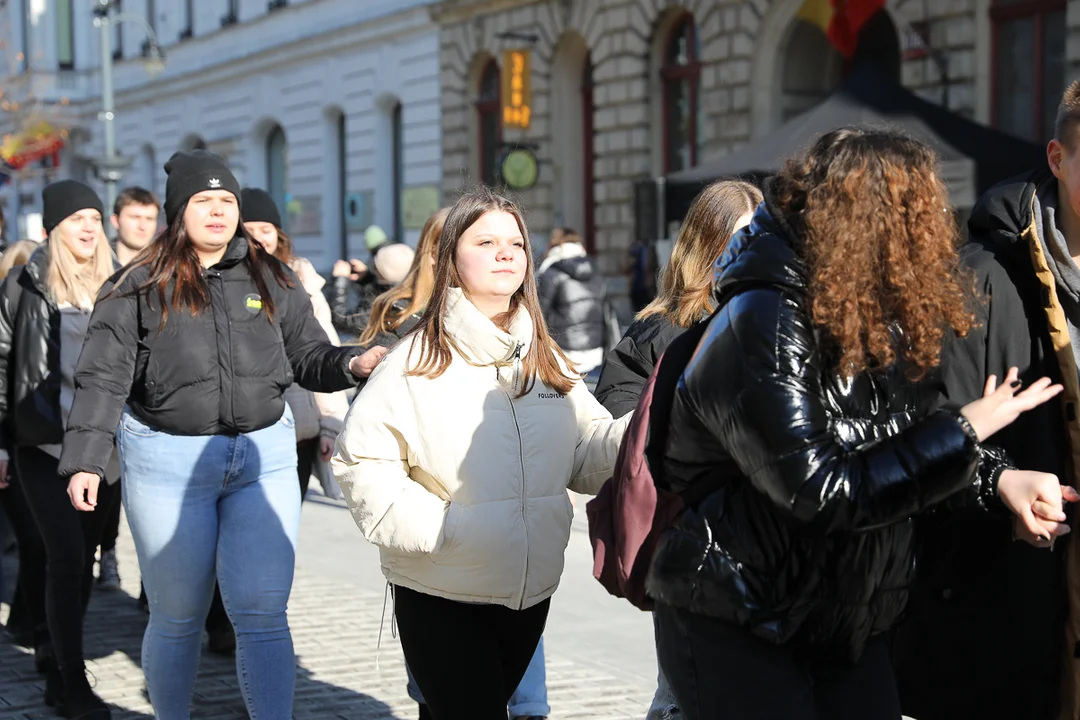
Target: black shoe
221 642
425 714
44 658
79 701
84 706
54 686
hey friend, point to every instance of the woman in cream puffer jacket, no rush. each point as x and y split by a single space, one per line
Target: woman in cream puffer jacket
455 460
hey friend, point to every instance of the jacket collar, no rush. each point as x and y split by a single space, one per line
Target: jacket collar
766 252
1003 214
479 340
235 253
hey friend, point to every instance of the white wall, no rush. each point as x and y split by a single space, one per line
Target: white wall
289 67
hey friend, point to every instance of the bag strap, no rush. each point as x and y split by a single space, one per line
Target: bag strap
669 369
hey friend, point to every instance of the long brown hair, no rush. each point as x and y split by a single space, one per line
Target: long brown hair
415 289
544 360
685 294
880 244
284 250
172 262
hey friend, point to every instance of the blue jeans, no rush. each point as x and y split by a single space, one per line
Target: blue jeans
201 506
530 698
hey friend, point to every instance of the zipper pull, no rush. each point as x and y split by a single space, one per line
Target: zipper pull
517 368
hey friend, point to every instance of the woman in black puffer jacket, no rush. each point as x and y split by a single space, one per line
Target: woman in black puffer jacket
810 403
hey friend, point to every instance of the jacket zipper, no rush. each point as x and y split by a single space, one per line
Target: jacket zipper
521 457
216 275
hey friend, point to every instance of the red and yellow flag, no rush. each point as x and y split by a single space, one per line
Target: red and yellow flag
840 20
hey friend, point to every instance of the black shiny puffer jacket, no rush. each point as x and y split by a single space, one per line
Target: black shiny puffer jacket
809 539
571 294
29 357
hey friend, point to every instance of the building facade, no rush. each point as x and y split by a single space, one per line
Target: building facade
627 89
333 106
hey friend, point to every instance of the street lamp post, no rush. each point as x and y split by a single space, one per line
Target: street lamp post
111 167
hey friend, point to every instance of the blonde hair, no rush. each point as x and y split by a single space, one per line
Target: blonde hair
70 282
16 254
685 294
415 289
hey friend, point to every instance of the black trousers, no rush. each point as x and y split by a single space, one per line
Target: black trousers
71 538
467 659
28 600
719 670
306 451
112 526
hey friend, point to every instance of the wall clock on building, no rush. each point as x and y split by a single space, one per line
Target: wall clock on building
519 169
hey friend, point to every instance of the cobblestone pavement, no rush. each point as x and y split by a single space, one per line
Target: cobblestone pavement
600 659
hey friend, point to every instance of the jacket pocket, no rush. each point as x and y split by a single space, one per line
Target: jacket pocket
450 525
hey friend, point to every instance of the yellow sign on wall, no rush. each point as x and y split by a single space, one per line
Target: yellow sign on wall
516 89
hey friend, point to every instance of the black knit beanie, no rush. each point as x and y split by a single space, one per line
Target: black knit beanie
259 207
191 172
67 197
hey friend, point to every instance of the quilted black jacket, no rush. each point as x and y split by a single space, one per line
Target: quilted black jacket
29 357
809 539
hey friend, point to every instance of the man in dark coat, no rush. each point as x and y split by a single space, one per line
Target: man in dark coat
992 625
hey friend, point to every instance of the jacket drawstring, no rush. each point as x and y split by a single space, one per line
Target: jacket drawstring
382 620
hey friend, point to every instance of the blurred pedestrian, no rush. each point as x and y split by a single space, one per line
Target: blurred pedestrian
135 218
390 263
190 351
44 312
571 290
396 312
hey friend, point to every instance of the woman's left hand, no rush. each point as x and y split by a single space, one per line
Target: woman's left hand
326 448
362 365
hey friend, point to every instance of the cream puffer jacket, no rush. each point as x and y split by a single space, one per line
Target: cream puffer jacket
316 413
462 484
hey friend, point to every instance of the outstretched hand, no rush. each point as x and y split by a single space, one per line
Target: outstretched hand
1000 406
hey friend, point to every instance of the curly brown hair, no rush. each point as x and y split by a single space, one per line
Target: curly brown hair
880 244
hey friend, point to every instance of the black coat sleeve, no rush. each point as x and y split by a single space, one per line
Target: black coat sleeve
965 366
9 300
103 379
625 372
755 384
318 365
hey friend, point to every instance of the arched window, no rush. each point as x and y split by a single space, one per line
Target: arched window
680 74
489 122
277 171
